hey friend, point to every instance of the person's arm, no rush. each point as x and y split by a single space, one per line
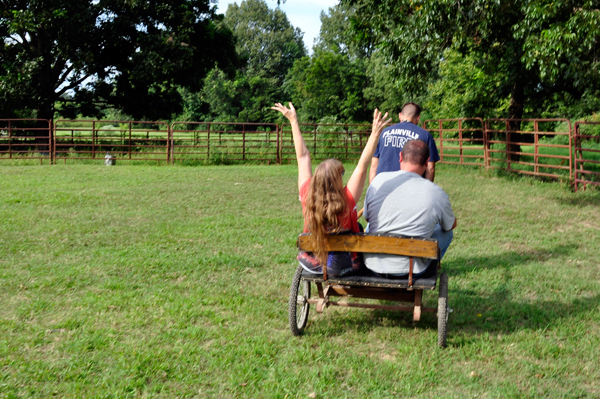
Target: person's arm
373 170
453 225
447 215
430 171
302 154
434 157
357 180
448 220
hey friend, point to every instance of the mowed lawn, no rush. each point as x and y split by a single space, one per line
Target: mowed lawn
172 281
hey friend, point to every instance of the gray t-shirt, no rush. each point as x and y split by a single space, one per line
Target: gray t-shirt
407 204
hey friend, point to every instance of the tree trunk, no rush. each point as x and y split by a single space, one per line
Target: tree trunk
515 111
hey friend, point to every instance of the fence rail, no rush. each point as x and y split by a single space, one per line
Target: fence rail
585 135
26 139
529 146
343 141
222 142
461 141
125 140
540 147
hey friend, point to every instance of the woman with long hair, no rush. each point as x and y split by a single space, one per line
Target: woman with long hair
328 206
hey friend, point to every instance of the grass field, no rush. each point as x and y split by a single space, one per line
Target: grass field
173 281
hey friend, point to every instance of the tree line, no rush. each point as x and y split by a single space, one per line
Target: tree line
182 60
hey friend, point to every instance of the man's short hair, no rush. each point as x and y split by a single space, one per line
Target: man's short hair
411 110
415 152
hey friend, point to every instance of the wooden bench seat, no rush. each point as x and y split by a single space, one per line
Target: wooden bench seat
391 244
426 281
406 293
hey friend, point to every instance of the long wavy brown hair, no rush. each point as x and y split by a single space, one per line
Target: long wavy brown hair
325 205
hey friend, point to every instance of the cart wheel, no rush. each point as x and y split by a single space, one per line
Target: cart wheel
442 311
299 306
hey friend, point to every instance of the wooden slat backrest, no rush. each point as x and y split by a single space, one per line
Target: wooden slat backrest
382 244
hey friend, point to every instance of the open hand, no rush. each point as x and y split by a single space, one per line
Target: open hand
289 113
379 122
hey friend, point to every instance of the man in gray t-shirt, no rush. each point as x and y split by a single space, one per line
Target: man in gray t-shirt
405 203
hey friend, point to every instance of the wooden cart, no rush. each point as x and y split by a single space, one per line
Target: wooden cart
408 291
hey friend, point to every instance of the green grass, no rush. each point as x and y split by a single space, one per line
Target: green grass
172 281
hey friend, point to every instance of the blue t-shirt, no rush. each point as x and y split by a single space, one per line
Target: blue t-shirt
392 141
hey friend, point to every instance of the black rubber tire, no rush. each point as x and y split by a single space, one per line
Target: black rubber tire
298 306
442 312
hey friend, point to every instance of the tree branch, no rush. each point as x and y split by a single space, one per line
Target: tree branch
61 76
72 85
24 43
23 39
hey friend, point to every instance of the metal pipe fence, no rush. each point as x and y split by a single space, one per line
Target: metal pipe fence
586 139
224 142
535 147
460 141
540 147
340 140
29 139
126 140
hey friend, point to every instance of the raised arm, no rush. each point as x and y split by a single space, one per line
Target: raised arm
357 180
373 169
430 171
302 154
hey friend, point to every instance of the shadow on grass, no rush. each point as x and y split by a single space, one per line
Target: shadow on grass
591 197
507 260
499 315
502 309
514 175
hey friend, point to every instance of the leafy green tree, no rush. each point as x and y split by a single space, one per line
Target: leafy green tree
534 48
464 89
378 89
336 34
328 84
382 90
267 45
194 106
243 99
130 54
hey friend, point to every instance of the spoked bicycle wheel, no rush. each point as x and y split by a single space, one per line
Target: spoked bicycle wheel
298 305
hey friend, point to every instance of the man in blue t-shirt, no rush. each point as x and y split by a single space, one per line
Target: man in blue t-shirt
393 138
